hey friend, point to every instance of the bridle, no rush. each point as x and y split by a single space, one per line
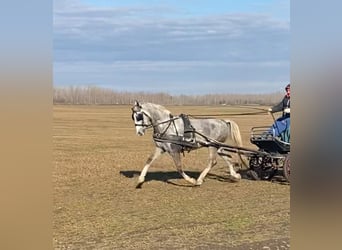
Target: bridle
138 115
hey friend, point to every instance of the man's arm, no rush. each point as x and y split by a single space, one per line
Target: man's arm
277 108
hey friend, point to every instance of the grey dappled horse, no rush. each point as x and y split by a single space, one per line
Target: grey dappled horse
164 125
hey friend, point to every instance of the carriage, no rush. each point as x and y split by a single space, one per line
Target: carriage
273 155
176 134
272 158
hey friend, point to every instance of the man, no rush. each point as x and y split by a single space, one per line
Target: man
281 126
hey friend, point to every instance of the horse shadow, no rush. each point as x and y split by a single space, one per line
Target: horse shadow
168 176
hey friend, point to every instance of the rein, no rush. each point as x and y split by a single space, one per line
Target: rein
160 134
260 111
203 116
228 114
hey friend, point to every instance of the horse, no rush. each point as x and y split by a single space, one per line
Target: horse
173 135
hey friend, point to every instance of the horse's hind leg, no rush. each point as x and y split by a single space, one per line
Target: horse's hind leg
149 162
235 176
212 162
177 160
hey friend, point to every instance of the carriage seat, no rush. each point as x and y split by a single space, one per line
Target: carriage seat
266 141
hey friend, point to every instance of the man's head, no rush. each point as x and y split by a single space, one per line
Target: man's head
287 89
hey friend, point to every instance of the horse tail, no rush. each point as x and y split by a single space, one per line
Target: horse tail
236 137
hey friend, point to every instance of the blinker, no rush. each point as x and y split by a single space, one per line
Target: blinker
139 117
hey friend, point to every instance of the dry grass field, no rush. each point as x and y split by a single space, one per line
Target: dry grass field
97 160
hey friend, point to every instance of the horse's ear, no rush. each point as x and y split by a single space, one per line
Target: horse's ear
137 104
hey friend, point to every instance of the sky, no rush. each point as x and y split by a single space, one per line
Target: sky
177 47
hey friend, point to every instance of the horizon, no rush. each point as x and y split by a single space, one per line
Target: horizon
83 87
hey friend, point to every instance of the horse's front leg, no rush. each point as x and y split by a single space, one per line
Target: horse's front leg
212 162
177 160
150 160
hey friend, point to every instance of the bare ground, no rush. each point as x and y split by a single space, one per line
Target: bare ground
98 158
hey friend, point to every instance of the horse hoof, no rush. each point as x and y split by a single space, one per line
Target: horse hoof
236 178
194 182
139 185
199 183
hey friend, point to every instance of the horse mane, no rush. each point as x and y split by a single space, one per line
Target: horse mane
159 108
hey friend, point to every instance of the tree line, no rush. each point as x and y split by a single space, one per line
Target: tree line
92 95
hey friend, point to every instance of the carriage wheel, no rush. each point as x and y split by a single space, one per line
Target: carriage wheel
253 175
286 168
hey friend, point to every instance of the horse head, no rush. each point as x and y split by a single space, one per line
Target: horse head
149 115
141 118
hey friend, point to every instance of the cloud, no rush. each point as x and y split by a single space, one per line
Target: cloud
156 46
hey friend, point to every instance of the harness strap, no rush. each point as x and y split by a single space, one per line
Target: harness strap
189 131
